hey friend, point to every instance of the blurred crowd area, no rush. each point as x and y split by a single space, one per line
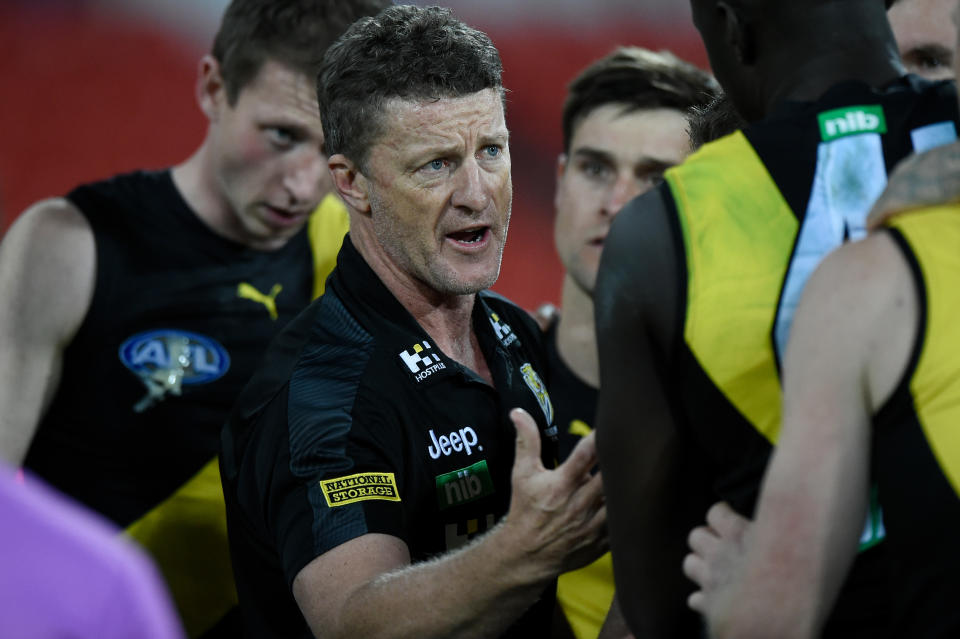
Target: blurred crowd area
96 87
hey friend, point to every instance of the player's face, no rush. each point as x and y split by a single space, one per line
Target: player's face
440 191
926 36
268 151
614 156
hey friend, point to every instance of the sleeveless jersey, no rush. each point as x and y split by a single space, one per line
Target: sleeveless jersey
756 212
917 435
179 319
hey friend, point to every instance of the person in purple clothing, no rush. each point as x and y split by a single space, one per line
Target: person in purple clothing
66 573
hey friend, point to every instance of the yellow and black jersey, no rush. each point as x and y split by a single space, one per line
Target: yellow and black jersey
756 212
179 320
750 216
917 435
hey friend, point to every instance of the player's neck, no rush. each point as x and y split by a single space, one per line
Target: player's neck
447 319
867 53
196 180
576 333
813 79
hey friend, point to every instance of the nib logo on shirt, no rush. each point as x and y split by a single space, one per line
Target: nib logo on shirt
421 362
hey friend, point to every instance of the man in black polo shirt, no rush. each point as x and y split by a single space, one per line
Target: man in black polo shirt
367 468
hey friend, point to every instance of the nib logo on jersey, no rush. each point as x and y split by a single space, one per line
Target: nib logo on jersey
421 362
165 360
464 485
504 333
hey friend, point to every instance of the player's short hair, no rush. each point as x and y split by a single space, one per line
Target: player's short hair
295 33
712 121
638 79
405 52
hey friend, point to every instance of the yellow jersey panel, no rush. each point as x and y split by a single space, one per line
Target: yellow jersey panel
738 234
934 238
325 229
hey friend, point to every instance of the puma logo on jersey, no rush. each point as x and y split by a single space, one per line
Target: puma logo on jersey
247 291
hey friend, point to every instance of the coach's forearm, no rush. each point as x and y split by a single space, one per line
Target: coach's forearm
474 592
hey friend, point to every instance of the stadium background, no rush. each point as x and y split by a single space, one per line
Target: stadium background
95 87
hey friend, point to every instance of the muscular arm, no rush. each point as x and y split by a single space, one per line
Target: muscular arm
367 587
47 267
651 499
850 344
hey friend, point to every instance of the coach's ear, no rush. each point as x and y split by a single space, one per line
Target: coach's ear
351 184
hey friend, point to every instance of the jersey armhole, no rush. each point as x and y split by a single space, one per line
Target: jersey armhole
901 391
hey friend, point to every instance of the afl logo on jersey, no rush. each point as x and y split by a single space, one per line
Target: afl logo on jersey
167 359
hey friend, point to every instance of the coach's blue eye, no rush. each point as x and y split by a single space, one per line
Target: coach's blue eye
492 150
437 165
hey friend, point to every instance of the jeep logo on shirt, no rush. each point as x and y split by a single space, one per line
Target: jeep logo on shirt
454 441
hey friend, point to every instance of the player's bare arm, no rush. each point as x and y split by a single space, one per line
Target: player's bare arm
47 272
849 346
366 587
651 500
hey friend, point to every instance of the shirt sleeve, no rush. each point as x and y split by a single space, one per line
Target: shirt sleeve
341 475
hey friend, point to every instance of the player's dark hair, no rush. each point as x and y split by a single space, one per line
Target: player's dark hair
638 79
406 52
295 33
713 121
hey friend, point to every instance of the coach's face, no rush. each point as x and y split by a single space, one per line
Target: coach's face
439 191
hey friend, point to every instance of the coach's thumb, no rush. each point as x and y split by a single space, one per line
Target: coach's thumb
528 441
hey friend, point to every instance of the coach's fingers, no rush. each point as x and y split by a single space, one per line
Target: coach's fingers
527 460
582 458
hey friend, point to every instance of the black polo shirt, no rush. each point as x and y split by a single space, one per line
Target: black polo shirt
357 423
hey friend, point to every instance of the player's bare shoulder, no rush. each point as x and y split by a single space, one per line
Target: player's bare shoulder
48 267
863 296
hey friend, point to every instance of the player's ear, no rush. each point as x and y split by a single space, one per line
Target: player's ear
561 171
561 165
352 185
211 91
738 32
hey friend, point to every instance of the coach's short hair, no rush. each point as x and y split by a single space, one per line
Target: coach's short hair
638 79
406 52
295 33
